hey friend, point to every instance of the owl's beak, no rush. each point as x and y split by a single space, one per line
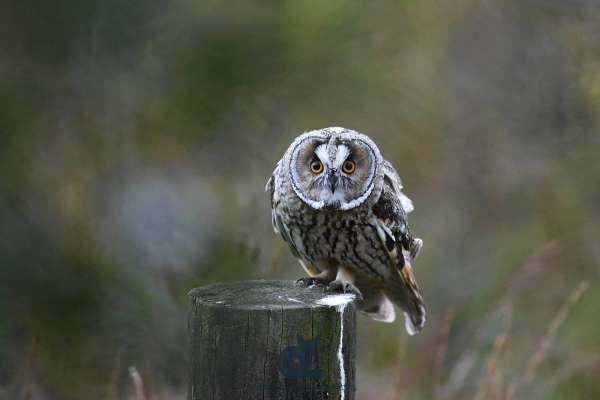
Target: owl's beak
332 180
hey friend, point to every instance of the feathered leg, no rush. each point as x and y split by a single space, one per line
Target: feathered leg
317 276
344 283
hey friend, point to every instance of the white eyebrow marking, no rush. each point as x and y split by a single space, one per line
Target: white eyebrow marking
342 154
321 152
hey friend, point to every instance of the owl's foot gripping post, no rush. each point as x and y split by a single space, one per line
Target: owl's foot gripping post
344 287
317 277
311 281
344 283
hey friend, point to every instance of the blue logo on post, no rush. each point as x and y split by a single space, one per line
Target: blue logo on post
297 362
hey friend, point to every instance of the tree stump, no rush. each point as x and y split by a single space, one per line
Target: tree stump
271 340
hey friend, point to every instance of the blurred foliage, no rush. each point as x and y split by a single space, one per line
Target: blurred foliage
136 138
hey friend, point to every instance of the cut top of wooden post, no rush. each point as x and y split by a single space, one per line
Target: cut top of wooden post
264 294
271 340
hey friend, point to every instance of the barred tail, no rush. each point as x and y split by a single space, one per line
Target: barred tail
404 292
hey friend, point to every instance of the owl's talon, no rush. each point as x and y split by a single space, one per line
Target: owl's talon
310 282
345 287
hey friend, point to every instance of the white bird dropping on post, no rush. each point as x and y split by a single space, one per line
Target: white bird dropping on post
340 301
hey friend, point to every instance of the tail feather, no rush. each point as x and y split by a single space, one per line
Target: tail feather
410 325
404 292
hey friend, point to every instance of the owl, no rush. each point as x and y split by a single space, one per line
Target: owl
339 205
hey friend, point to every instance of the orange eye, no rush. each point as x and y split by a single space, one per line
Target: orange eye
348 167
316 167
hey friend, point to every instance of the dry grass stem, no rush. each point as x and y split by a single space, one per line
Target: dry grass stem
590 363
112 389
440 355
138 384
525 277
547 340
491 387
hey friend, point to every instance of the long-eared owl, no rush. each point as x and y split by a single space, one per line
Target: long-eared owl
339 205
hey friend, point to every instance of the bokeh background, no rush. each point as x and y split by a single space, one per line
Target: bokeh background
136 138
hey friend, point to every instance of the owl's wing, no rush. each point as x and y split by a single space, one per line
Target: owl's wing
392 209
392 229
281 228
270 187
392 179
279 225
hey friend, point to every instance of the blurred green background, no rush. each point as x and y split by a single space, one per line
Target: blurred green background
136 138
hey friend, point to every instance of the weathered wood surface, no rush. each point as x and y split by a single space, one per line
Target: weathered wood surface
271 340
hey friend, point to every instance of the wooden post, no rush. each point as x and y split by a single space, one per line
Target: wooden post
271 340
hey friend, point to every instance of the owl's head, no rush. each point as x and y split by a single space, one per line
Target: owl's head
334 168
